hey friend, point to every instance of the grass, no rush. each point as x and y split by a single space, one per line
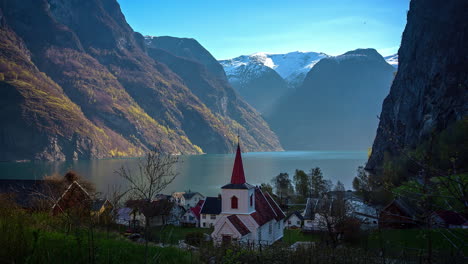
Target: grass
292 236
172 234
416 239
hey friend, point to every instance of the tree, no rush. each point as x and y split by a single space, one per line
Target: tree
339 187
333 216
283 185
361 183
301 182
266 187
318 185
155 172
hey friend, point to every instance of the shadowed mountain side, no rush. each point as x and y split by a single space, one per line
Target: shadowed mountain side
336 107
219 96
429 93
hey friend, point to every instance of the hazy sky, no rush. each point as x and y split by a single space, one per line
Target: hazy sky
229 28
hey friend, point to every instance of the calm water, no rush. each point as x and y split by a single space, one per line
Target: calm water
204 173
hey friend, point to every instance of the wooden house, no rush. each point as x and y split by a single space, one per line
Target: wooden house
75 198
400 214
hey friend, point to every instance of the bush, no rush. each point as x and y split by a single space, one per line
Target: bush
194 238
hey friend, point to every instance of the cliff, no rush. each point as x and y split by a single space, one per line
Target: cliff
429 92
78 83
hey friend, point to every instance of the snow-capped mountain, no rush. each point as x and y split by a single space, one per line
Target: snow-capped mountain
292 67
392 60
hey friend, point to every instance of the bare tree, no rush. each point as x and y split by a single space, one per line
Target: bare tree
154 173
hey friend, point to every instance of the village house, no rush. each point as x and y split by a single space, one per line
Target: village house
400 214
75 198
248 214
448 219
101 207
192 215
187 199
294 220
312 219
355 208
210 211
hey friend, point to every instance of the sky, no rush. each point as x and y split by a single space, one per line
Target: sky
229 28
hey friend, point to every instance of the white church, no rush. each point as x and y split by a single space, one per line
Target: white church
247 214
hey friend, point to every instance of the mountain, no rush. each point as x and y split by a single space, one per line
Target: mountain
262 78
78 83
337 105
392 60
429 94
205 77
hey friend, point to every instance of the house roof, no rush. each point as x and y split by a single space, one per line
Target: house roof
264 210
212 205
189 195
406 206
450 217
238 224
197 209
296 213
24 190
69 192
279 213
238 176
98 204
309 211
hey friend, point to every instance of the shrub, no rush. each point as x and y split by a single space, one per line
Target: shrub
194 238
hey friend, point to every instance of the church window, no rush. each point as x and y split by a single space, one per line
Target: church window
234 201
251 200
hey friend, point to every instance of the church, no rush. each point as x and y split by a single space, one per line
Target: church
248 214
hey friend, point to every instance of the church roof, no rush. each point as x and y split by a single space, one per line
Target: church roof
238 176
238 224
265 208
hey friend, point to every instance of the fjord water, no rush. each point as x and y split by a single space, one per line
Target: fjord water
203 173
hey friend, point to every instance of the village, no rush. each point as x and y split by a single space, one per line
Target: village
242 214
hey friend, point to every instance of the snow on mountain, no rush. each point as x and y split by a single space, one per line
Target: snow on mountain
292 67
392 60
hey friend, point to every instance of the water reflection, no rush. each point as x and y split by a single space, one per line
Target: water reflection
203 173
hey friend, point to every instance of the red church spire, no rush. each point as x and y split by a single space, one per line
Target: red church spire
238 176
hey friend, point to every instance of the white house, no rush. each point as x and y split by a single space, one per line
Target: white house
187 199
210 211
355 208
192 216
312 220
294 220
248 214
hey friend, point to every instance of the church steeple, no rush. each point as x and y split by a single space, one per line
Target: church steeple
238 176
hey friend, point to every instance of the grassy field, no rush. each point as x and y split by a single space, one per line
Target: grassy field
413 240
292 236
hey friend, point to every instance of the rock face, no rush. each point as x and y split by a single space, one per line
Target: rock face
205 77
430 89
78 83
336 108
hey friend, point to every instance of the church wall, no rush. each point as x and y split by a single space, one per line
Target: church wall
243 201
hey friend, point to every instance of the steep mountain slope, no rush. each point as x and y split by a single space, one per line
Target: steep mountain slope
262 78
38 121
123 101
336 107
429 92
200 72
